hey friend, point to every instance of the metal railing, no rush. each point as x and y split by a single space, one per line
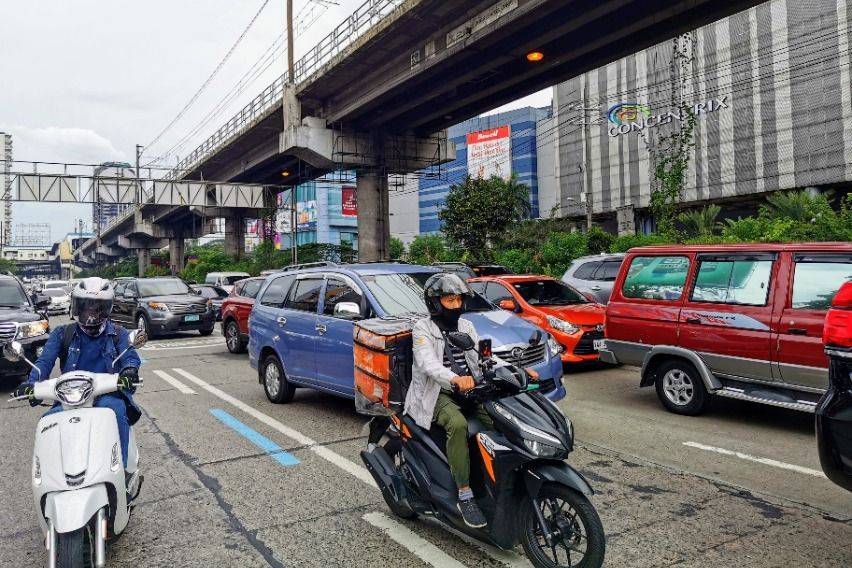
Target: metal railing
348 32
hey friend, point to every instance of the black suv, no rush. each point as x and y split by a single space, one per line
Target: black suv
21 320
161 305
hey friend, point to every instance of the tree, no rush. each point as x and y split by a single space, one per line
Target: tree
426 249
8 266
700 222
478 211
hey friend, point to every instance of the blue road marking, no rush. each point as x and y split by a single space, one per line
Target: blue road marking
256 438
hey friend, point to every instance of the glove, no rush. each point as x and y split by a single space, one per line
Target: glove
25 390
128 378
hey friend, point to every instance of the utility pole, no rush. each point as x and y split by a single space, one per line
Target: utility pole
291 76
293 234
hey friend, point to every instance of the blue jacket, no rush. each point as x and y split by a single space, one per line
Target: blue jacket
50 354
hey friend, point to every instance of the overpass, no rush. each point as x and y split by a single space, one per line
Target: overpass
375 94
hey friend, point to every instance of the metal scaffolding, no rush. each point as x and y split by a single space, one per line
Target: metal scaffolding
6 233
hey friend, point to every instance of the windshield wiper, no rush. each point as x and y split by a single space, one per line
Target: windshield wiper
12 305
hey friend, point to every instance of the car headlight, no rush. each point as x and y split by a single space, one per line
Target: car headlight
562 325
158 306
32 329
543 450
74 392
553 345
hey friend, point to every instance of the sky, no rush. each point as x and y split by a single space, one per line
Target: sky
85 81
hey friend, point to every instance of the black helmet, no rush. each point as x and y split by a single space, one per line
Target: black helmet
444 284
92 302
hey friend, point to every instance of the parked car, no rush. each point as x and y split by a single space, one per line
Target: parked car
161 305
737 321
300 329
485 269
235 313
594 275
834 413
215 294
458 268
48 284
60 301
225 280
20 320
575 322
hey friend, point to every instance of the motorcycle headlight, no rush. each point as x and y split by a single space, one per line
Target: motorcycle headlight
553 345
158 306
36 470
526 428
74 392
543 450
32 329
562 325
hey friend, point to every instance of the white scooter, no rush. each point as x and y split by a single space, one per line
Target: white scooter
80 488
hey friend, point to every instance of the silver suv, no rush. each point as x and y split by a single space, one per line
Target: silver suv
594 275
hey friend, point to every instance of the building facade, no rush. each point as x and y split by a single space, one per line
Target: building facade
770 92
326 212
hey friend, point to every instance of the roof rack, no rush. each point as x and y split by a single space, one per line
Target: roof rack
396 261
302 266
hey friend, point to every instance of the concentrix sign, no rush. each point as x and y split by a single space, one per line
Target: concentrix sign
635 117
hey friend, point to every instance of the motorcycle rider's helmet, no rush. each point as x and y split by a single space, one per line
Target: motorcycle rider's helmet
444 284
91 302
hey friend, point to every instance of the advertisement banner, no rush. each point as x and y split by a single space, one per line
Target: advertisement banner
489 153
349 202
306 215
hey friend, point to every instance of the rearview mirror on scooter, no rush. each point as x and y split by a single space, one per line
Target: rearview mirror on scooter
138 338
13 351
536 336
461 340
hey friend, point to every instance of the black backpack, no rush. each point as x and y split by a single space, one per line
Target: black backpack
67 337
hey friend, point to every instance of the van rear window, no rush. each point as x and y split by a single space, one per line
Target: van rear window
656 277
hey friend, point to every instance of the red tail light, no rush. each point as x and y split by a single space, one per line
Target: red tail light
838 321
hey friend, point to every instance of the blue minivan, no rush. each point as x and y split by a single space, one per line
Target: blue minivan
300 328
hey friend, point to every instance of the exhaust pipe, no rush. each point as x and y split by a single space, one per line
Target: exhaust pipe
100 538
51 544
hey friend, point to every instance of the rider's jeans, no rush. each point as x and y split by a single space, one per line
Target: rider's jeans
116 404
450 417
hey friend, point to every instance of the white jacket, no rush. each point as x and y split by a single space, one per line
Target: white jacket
428 374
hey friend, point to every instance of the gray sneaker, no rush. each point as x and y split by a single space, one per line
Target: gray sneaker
471 513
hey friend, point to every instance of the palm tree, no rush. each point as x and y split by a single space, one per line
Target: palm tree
796 205
700 222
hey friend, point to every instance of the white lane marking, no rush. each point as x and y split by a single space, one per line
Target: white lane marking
166 346
414 543
174 382
764 461
343 463
505 557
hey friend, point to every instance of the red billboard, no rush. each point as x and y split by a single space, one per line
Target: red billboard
350 202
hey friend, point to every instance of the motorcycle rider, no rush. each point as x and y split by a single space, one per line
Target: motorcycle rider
91 344
429 399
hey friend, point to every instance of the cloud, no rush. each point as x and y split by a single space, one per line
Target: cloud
56 144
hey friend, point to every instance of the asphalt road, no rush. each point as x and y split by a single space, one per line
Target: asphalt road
737 487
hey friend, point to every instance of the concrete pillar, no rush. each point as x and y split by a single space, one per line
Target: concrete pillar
176 252
144 257
373 225
235 235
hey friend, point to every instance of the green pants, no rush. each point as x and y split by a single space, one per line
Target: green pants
450 417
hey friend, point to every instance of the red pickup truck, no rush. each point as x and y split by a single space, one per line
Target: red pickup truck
737 321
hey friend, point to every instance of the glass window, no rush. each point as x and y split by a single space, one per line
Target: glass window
656 277
119 289
586 270
305 295
733 282
548 293
275 293
607 271
403 293
233 279
161 287
816 283
497 292
55 293
131 291
11 294
337 291
250 288
478 287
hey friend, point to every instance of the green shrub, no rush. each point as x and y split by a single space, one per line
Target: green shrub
426 249
518 260
598 240
559 250
626 242
397 249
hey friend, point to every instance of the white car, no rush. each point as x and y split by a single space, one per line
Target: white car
225 280
60 301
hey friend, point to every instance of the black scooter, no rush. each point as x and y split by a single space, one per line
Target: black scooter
527 493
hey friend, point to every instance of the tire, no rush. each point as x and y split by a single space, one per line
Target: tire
232 337
76 549
143 324
205 332
680 388
575 512
275 384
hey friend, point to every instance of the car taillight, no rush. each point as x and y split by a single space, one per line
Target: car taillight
838 322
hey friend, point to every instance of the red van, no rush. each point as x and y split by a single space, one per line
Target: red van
738 321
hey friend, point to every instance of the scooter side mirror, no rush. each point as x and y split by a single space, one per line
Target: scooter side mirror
536 336
138 338
13 351
461 340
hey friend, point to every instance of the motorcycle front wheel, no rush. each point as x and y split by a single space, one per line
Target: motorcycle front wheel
577 535
76 549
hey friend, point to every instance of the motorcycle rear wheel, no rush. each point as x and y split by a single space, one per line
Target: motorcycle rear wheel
578 535
76 549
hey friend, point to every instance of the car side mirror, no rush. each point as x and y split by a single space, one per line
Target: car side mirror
42 301
509 305
460 340
347 310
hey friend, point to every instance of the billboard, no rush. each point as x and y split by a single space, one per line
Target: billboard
489 153
306 215
349 202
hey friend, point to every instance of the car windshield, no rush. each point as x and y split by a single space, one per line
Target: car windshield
231 280
11 294
55 293
548 293
50 285
403 293
212 292
162 287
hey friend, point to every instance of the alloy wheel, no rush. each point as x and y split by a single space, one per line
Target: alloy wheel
272 379
232 337
678 387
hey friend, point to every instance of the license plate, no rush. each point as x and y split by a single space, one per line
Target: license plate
191 318
598 344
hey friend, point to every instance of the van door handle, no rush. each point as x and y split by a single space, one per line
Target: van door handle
797 331
321 329
281 320
693 320
596 288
